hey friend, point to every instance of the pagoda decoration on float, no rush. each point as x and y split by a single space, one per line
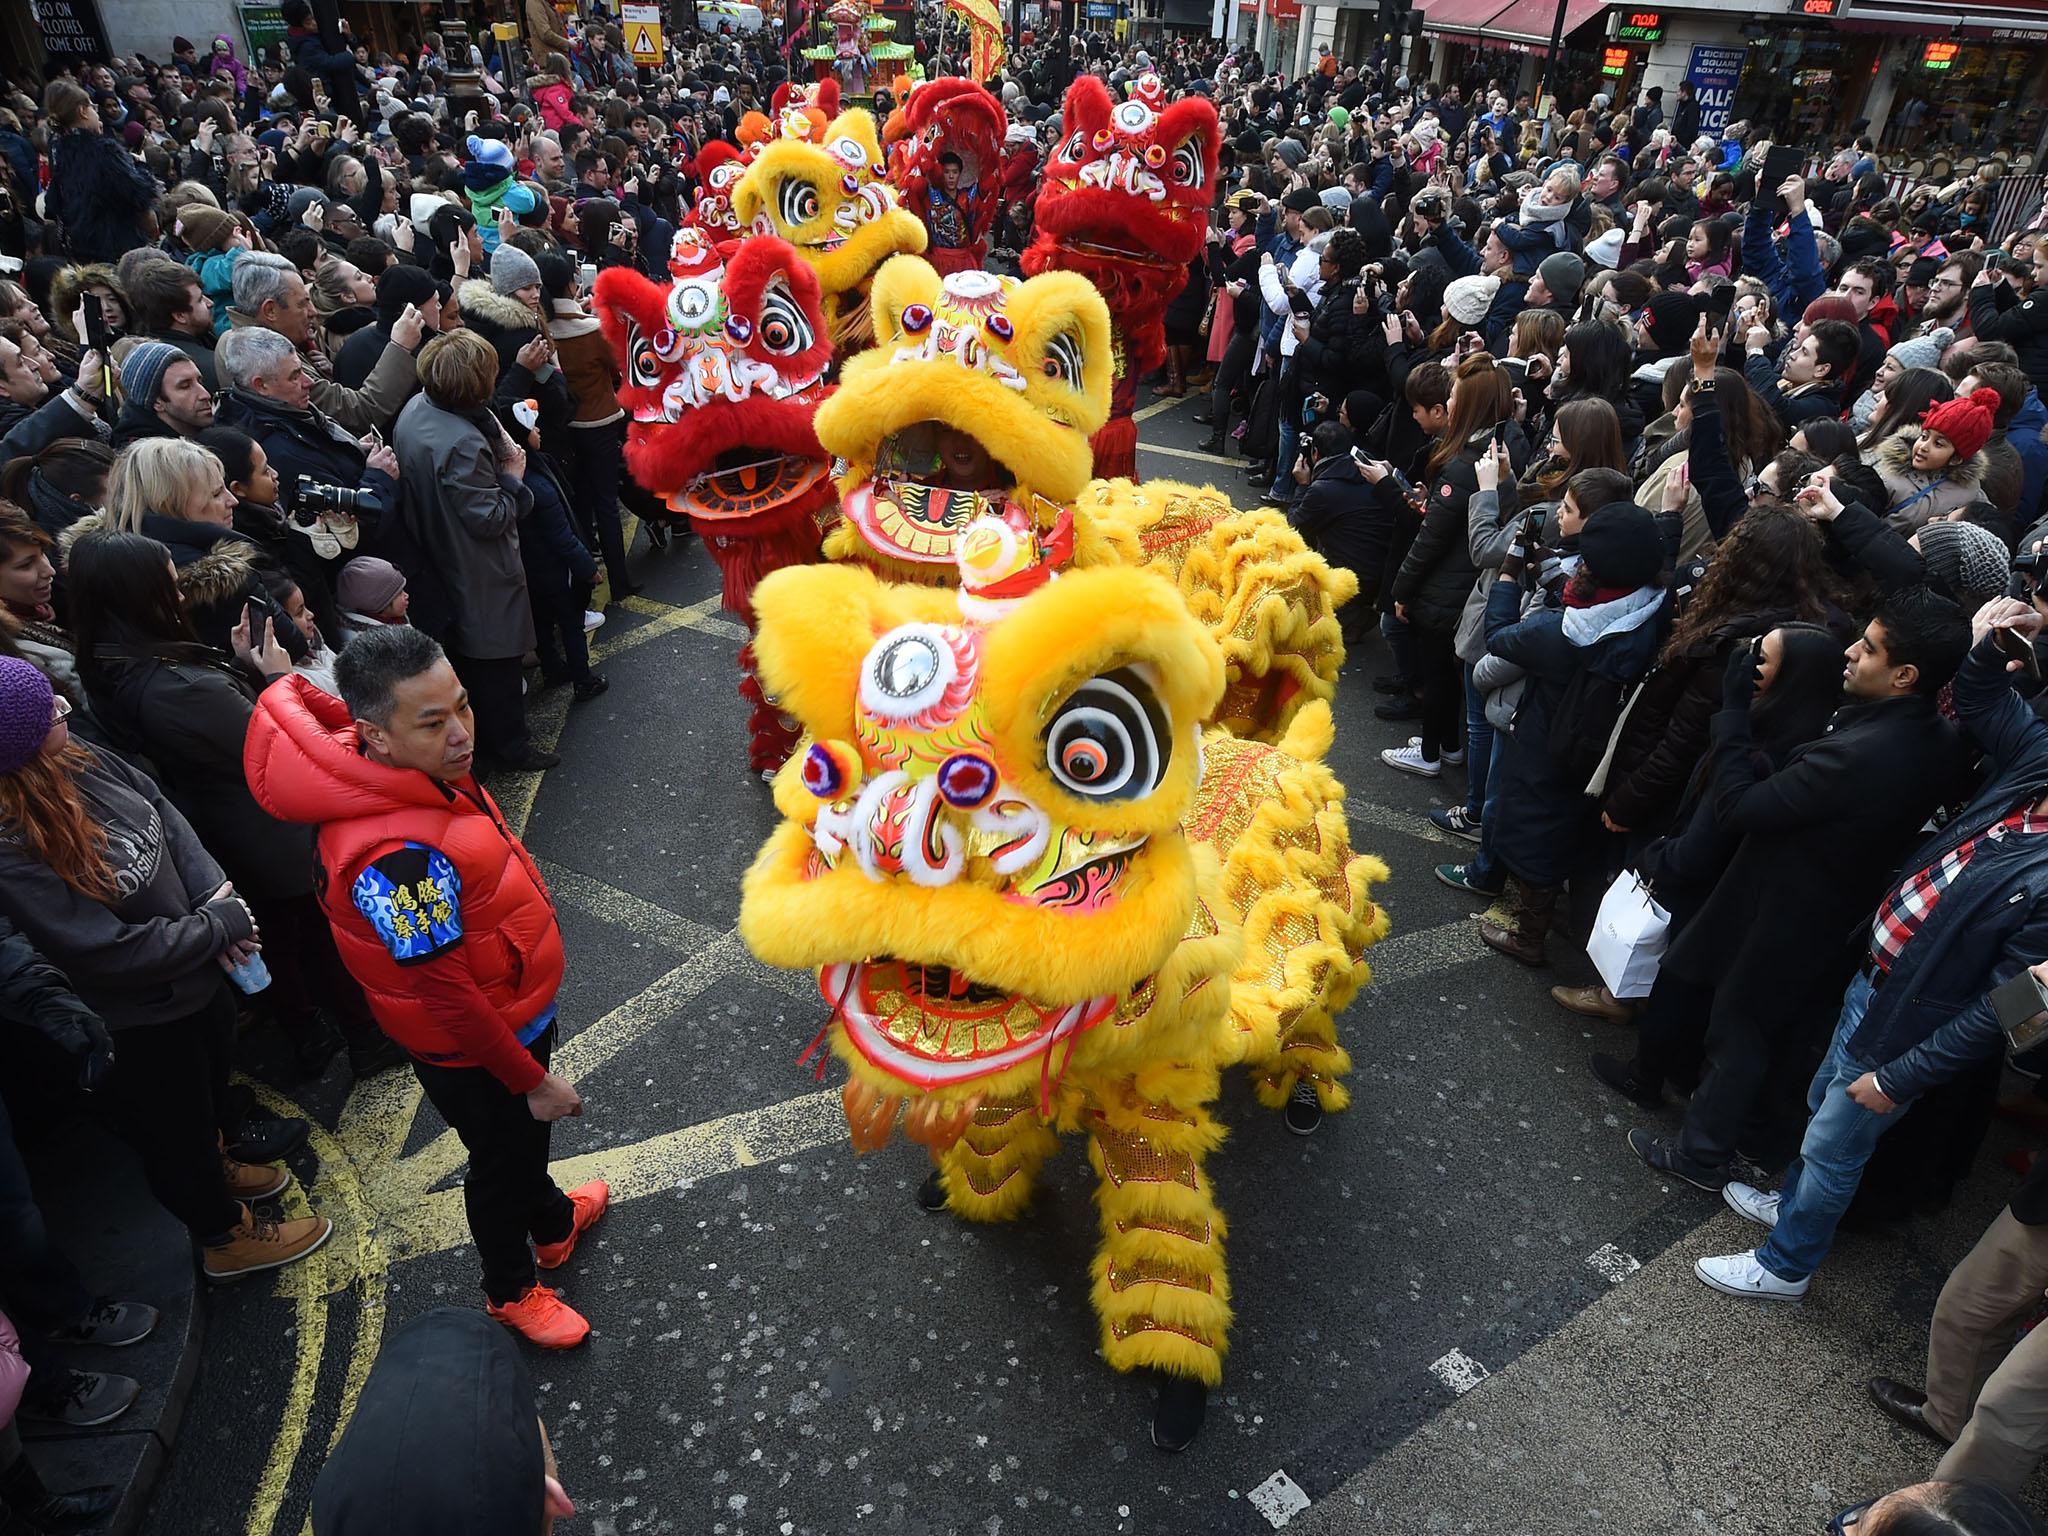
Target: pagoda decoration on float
860 50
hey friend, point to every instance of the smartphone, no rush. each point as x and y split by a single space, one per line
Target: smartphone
1500 433
1299 303
1720 300
1780 161
2021 1008
2020 648
96 336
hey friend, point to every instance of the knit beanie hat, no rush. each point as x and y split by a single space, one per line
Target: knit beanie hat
399 285
368 585
1621 546
143 370
204 228
1965 421
1672 318
422 206
1468 299
1924 350
1291 151
1564 275
1605 250
492 152
25 706
512 269
1301 200
1967 558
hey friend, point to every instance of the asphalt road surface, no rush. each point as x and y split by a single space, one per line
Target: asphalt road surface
1461 1306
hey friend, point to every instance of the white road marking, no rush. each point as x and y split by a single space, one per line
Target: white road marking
1611 1263
1459 1371
1279 1498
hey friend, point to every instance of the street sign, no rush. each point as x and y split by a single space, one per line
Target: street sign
642 24
1715 72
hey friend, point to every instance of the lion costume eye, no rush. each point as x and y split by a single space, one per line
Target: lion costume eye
1110 740
1187 164
640 360
798 201
1076 147
784 331
1063 360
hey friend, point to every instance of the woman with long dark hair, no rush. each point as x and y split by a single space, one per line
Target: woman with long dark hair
1901 403
156 688
110 884
1438 571
1594 365
1800 685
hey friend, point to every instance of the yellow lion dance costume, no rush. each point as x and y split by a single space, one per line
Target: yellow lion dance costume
1041 897
1020 374
821 189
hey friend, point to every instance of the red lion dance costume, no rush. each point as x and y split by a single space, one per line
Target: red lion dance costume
1124 202
724 370
957 116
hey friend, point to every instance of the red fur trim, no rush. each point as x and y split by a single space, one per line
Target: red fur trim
771 736
1116 449
787 536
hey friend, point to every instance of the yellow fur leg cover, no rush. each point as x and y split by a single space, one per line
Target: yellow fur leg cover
1276 816
989 1173
1160 1287
1268 600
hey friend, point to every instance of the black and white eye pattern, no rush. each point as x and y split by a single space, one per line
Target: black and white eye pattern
798 201
1110 740
1063 359
784 330
640 359
1076 147
1187 164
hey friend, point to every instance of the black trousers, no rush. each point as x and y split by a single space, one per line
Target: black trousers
600 461
1671 1032
43 1291
559 637
1750 1073
1232 375
306 971
511 1200
499 701
1442 682
164 1102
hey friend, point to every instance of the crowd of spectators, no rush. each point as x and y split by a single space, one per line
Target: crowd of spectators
1694 493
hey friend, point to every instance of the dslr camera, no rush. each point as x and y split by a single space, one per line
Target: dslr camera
311 498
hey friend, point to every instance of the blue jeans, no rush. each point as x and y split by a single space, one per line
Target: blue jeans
1840 1137
1400 645
1290 445
1483 869
1478 748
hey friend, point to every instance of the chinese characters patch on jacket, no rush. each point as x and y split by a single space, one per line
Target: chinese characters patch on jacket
413 898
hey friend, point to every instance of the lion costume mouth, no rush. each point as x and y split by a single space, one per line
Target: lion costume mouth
932 1027
915 505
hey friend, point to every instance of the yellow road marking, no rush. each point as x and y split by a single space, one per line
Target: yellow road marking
1161 407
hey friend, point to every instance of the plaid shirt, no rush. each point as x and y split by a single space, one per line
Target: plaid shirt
1908 907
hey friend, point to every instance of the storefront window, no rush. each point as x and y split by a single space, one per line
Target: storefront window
1965 96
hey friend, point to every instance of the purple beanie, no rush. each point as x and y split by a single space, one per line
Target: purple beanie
25 709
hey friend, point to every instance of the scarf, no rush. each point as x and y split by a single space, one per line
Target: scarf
1609 615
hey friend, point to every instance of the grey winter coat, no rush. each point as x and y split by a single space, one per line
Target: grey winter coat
464 513
151 955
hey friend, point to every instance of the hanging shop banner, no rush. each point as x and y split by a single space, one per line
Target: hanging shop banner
263 27
643 32
1714 73
71 30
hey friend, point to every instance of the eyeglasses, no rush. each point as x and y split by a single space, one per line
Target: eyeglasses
60 709
1946 282
1850 1519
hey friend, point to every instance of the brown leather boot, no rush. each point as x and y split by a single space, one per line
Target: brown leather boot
258 1244
1524 941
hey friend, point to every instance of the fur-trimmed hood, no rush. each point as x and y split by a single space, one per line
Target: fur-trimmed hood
92 522
1895 460
480 301
220 575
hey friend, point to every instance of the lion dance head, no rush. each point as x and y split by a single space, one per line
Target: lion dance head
980 391
1124 201
821 189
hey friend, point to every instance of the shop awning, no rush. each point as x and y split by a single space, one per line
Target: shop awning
1463 18
1530 21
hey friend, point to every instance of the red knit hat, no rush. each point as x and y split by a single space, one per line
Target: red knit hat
1965 421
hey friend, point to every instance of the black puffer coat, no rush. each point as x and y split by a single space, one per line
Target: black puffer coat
1437 572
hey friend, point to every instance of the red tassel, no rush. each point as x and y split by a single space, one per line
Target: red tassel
1116 449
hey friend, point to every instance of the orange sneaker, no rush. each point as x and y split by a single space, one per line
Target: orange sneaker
544 1318
590 1201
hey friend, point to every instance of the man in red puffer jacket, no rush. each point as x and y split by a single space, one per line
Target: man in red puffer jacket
443 919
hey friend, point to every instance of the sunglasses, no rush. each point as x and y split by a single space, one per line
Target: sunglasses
1850 1519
